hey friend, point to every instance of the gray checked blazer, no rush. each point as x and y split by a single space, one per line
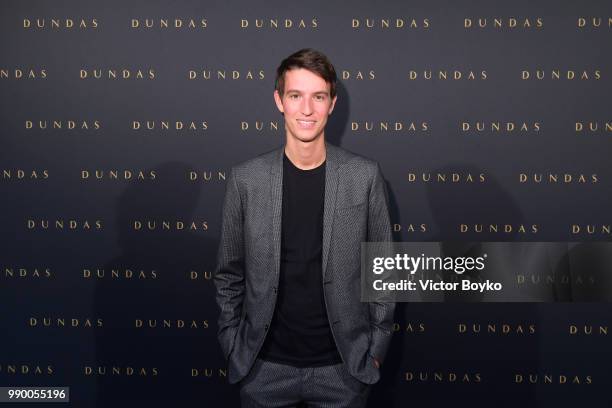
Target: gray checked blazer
247 272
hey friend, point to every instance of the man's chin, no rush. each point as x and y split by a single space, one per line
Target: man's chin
308 138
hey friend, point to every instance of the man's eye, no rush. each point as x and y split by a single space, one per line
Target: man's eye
319 97
294 96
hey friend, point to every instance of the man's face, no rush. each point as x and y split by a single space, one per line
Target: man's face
306 104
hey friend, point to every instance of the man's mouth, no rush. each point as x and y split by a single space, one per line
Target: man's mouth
306 124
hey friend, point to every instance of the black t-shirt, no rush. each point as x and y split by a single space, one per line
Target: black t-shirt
300 334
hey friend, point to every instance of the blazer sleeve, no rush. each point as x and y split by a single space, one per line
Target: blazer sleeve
229 272
379 230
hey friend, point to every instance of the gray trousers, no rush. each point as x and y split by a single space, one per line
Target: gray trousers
270 384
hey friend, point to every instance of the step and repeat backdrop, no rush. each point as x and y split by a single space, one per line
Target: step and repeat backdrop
119 122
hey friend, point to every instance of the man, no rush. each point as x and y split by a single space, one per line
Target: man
288 276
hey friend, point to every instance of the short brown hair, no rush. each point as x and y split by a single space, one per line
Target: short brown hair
312 60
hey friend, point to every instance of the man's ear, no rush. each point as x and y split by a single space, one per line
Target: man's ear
331 108
278 100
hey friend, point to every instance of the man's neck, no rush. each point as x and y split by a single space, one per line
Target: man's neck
306 156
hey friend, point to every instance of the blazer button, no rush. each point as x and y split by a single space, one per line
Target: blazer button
275 289
266 327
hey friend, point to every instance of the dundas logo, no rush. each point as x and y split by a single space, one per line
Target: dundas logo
557 74
258 126
126 274
169 125
206 176
206 275
118 175
168 23
591 229
19 174
358 75
25 369
409 328
499 228
61 224
553 178
127 371
410 227
443 75
170 324
223 74
275 23
25 273
593 22
498 22
443 377
552 379
117 73
493 328
153 225
446 177
389 126
19 73
552 279
209 372
59 23
61 322
389 23
593 127
63 124
588 330
500 127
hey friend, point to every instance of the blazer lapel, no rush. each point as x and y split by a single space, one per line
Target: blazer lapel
276 190
329 207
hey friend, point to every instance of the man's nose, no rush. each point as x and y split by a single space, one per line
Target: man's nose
307 106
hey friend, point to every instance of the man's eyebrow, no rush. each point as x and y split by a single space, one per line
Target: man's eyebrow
316 93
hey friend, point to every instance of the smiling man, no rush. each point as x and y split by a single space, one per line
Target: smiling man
288 274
